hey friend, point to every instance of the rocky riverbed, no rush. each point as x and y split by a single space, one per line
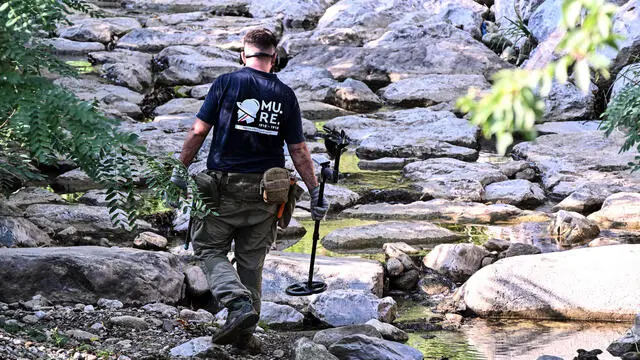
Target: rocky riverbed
428 231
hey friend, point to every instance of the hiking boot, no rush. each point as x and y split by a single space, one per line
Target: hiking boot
242 317
247 344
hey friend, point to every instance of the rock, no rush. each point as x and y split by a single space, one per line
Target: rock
545 19
339 197
388 164
627 343
428 90
394 267
329 337
566 162
129 322
506 10
90 90
150 241
165 310
200 316
397 249
72 48
86 274
626 24
193 347
372 237
196 281
30 319
87 220
315 110
521 193
280 316
603 242
89 309
295 14
629 75
110 304
349 307
219 7
571 228
283 269
81 335
568 127
519 249
363 347
619 211
436 48
189 65
305 349
310 83
453 179
20 232
74 181
434 283
566 102
549 357
135 73
632 355
353 95
436 210
309 129
496 245
406 281
179 106
548 286
33 195
94 198
388 331
36 303
589 198
458 261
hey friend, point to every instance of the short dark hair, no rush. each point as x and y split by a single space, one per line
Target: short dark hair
263 39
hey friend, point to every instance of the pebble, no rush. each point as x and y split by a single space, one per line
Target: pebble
89 309
110 304
30 319
278 353
97 326
129 321
40 314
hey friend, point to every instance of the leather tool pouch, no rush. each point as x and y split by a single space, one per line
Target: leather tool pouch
295 192
209 188
275 186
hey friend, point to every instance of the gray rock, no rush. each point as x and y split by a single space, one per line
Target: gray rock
394 267
199 91
280 316
453 179
521 193
134 75
545 19
568 127
511 168
219 7
506 10
519 249
129 322
437 210
329 337
434 283
549 357
629 342
627 76
566 102
309 129
150 241
602 241
388 331
30 319
388 164
165 310
110 304
75 48
86 274
196 280
397 249
295 42
87 220
94 198
626 24
36 303
620 211
200 316
74 181
310 83
192 347
429 90
353 95
89 309
33 195
362 347
20 232
348 307
305 349
458 261
339 197
101 30
571 228
498 245
179 106
406 281
315 110
189 65
295 14
82 335
547 286
589 198
283 269
372 237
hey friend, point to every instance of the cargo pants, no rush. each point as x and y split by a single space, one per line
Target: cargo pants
242 216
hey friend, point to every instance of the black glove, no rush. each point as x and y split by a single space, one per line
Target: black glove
318 211
178 180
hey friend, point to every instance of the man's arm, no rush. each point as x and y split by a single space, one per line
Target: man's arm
303 163
196 136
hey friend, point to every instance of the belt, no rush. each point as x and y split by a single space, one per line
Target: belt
236 177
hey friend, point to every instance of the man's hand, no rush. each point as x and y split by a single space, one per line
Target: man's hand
178 180
318 211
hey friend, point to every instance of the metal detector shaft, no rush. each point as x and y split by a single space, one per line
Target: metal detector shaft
316 233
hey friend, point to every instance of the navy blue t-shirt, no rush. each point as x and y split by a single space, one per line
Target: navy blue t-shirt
253 114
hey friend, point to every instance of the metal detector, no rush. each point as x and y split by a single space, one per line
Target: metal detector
336 143
313 287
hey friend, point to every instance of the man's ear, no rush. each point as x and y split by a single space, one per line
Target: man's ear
243 60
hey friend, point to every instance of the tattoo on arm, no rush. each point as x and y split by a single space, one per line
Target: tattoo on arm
196 136
303 163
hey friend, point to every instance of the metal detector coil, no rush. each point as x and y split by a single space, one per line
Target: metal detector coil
313 287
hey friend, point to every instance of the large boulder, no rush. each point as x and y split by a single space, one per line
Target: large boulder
310 83
86 274
280 316
295 14
102 30
571 228
428 90
73 221
453 179
437 210
627 24
566 102
619 211
545 19
348 307
367 238
125 68
522 193
353 95
330 336
458 261
629 75
365 347
179 106
193 65
73 48
506 10
20 232
590 197
33 195
74 181
585 284
282 269
220 7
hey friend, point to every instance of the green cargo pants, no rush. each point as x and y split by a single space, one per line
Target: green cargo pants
245 218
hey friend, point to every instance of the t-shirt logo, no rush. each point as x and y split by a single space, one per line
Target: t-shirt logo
259 116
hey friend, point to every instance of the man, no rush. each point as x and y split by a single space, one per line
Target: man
252 114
